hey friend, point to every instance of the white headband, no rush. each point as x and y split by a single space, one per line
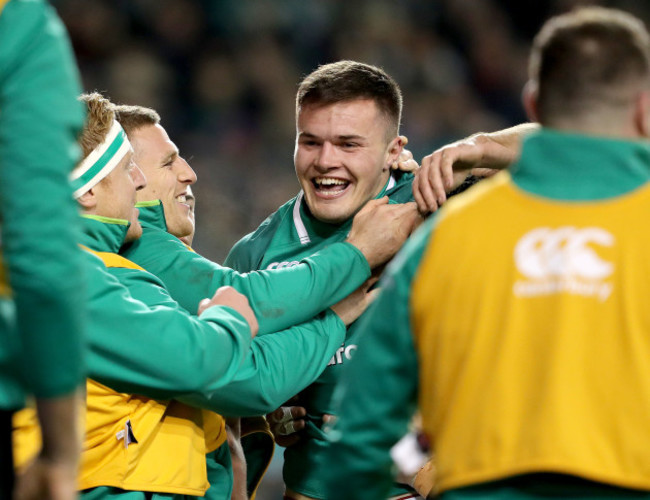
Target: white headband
101 161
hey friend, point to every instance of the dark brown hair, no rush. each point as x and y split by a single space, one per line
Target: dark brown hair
134 117
588 60
350 80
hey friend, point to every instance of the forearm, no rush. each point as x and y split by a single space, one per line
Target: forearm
286 297
280 298
278 367
61 427
511 138
238 460
185 354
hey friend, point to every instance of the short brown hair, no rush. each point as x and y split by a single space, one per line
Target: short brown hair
99 120
134 117
587 60
350 80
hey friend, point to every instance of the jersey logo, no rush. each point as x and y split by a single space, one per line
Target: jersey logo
342 353
563 260
280 265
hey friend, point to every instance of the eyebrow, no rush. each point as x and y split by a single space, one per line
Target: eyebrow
338 137
170 156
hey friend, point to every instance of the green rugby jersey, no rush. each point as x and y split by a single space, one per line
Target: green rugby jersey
283 239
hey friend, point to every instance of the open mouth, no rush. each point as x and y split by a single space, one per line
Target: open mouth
182 198
330 187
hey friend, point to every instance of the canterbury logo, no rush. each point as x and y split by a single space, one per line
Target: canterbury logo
563 260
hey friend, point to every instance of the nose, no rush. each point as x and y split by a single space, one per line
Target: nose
186 174
138 177
327 157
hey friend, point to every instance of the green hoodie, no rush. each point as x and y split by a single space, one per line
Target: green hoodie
41 319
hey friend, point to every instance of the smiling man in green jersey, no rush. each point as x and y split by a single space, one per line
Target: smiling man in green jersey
347 120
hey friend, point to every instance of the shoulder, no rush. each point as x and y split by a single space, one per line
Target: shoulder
477 199
402 191
247 252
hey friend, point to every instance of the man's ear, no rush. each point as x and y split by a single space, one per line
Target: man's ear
641 114
395 147
88 200
529 98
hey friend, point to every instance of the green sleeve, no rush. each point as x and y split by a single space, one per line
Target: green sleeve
39 122
378 391
141 341
317 283
277 367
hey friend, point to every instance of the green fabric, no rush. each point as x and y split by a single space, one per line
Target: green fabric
277 241
258 448
277 366
600 167
110 493
360 458
319 283
39 122
220 476
140 340
553 165
542 487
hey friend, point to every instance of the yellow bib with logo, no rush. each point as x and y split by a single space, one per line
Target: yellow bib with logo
528 314
133 442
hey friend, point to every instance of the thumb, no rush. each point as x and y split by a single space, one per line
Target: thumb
203 305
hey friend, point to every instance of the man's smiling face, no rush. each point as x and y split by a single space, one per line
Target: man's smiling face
342 156
168 176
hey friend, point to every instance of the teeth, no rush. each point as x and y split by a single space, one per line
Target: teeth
329 181
181 198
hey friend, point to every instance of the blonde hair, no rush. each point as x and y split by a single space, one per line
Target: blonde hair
99 121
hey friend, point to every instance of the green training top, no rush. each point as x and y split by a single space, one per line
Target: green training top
141 341
39 122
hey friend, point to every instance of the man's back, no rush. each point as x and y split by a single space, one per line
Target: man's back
531 335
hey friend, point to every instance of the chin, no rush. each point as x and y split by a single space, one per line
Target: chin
332 216
134 233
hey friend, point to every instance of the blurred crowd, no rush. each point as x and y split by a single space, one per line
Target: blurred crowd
223 75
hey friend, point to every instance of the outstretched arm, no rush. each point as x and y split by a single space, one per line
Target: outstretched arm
481 154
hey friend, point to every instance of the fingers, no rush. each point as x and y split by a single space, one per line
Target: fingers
426 182
287 420
372 295
405 162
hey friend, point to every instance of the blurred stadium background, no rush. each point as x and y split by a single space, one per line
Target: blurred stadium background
223 75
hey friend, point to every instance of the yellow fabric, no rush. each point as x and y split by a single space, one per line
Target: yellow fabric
113 260
2 4
172 438
5 287
214 424
492 402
